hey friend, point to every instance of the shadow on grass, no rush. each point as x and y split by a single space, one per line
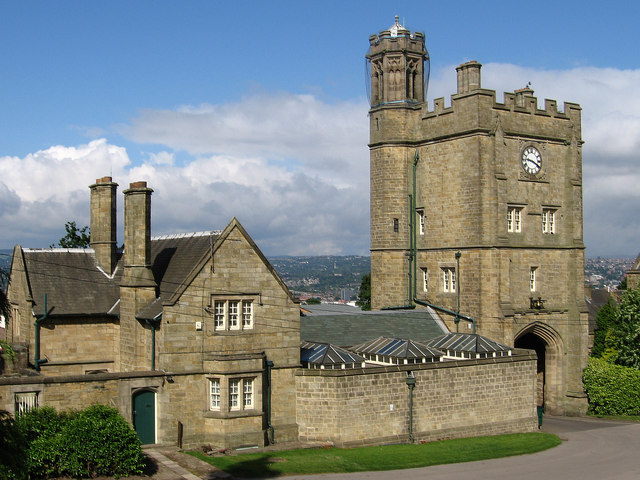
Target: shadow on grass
255 468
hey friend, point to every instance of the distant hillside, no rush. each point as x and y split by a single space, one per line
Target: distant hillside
323 276
329 276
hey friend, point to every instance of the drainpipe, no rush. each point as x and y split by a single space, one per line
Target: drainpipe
410 256
416 157
37 360
269 426
457 319
449 312
411 383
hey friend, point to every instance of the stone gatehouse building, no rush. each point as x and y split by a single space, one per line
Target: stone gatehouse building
477 207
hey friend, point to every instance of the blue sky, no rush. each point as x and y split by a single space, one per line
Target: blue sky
257 109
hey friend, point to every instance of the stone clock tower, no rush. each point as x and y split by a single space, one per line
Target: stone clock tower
477 208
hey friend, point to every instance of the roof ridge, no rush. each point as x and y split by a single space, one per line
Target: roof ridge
187 235
58 250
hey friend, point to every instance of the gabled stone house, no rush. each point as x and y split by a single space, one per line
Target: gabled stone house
189 335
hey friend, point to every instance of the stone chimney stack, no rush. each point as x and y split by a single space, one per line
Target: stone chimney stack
469 77
103 222
137 236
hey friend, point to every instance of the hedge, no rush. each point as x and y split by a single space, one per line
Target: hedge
612 389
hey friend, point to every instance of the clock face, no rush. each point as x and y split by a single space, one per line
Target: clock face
531 160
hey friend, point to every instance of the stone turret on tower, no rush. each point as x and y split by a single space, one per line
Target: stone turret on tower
397 58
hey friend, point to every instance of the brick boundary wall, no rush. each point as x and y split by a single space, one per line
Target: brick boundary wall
451 399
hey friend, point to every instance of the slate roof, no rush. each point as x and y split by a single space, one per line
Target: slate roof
347 330
75 285
73 282
173 259
327 354
397 348
467 342
330 309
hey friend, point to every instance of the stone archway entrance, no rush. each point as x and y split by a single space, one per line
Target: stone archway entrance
548 346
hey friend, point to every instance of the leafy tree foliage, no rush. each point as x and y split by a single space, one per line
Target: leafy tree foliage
628 329
5 311
606 322
623 284
313 301
75 237
364 297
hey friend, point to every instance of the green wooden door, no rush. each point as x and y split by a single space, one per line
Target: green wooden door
144 416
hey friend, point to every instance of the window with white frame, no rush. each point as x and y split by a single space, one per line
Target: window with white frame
234 394
247 314
214 394
532 278
25 401
233 314
514 219
421 221
247 394
236 386
549 220
425 279
448 279
219 314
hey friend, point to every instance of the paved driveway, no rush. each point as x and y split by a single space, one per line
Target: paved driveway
592 450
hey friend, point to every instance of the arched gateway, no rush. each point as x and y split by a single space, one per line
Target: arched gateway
547 344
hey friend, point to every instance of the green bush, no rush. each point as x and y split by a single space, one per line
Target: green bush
41 422
98 441
612 389
95 441
13 447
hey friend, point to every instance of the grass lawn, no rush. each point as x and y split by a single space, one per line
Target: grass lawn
388 457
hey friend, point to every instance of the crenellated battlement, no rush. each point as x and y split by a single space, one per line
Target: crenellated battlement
519 101
511 103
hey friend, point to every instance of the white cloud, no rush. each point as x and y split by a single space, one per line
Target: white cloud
295 169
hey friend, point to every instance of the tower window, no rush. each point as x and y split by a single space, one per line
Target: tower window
549 221
532 279
396 225
448 279
421 221
425 279
514 219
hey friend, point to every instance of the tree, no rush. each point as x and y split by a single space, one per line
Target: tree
623 284
5 311
313 301
606 321
75 237
364 297
628 329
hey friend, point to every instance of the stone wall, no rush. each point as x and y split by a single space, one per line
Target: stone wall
450 400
